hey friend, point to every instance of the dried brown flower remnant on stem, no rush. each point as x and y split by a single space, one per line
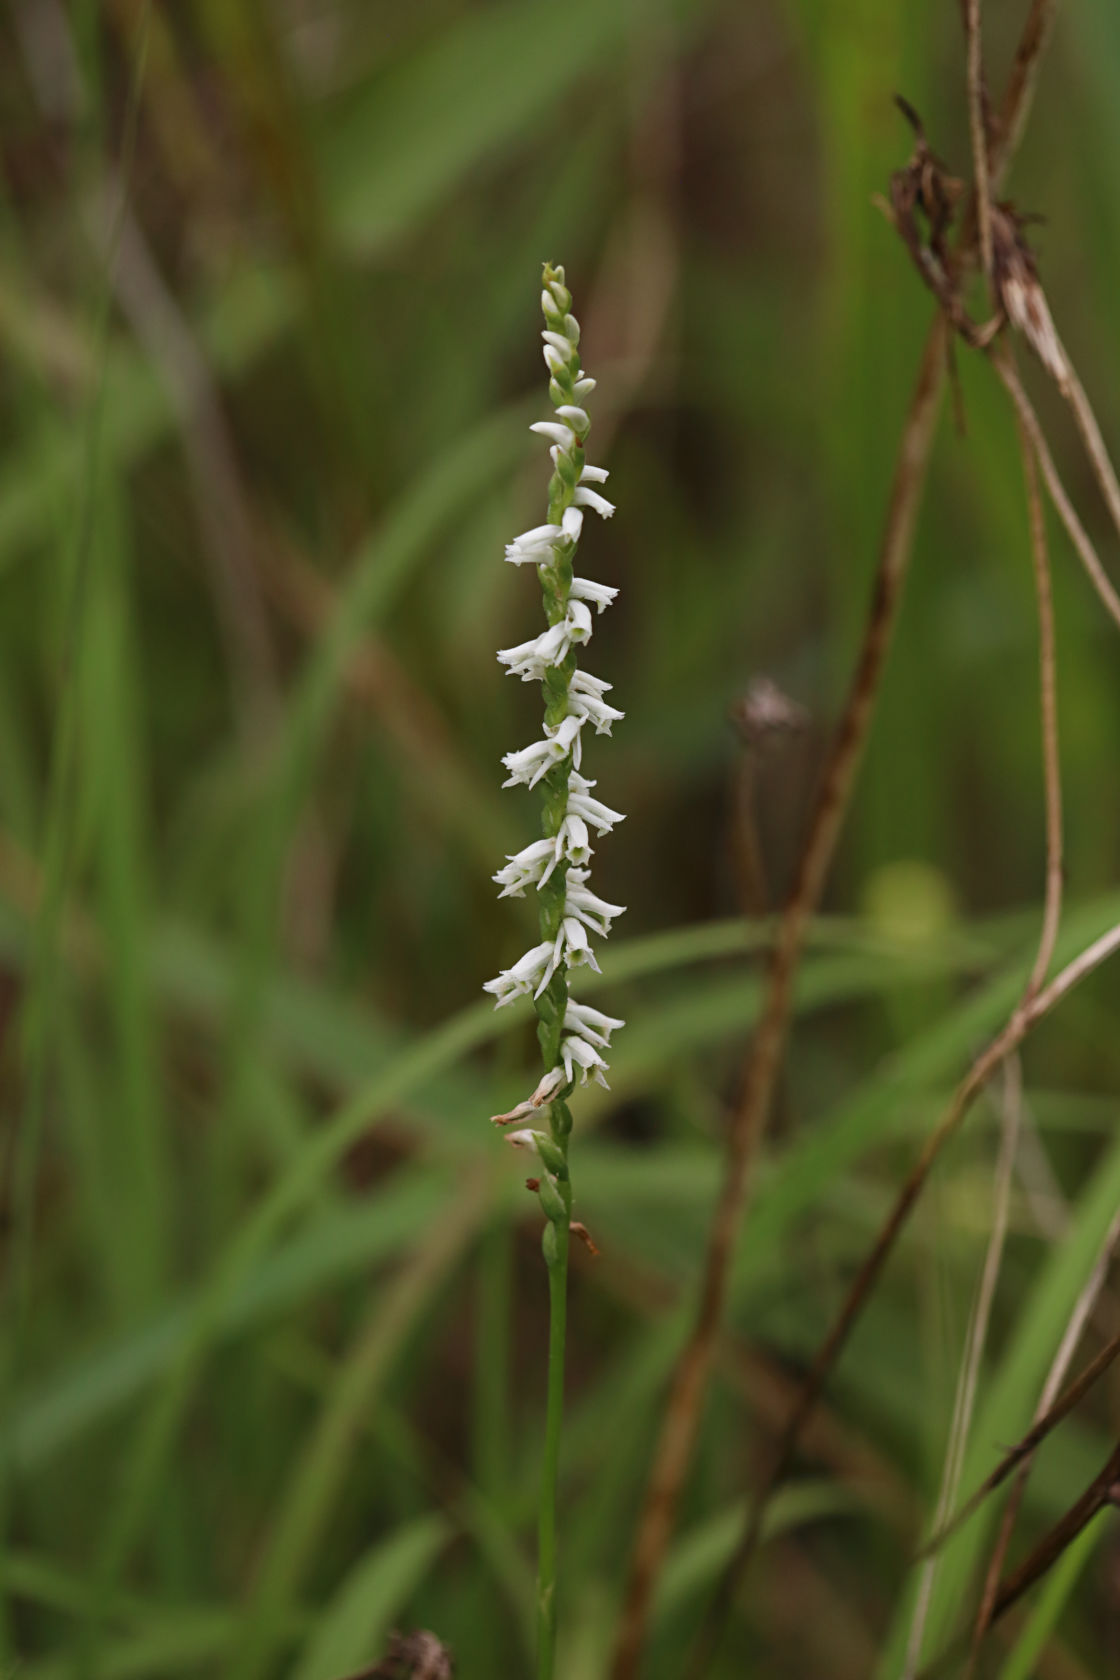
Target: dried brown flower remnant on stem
764 713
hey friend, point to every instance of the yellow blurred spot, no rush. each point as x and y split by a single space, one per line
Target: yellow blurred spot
909 901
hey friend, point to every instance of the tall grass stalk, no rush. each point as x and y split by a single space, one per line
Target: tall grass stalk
572 1036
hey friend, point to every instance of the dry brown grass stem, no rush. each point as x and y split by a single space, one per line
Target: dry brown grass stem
682 1412
1064 508
1049 1412
1086 421
981 169
1019 96
1048 707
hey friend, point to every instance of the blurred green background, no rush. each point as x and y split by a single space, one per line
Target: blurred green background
274 1305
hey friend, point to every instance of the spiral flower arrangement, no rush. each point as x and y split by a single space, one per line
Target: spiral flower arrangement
572 1035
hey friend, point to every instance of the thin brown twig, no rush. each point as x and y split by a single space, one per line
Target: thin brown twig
1086 421
1030 1011
1086 1302
1019 96
674 1447
982 186
681 1420
1099 578
1048 706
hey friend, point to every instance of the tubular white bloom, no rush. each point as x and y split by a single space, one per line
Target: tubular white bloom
534 761
593 811
577 418
572 524
530 660
536 547
592 499
584 684
572 842
579 622
577 1053
526 868
565 737
590 1024
595 912
593 475
577 946
519 980
588 702
562 435
602 594
570 947
583 386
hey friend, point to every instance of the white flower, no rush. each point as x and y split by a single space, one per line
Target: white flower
578 622
549 657
522 977
580 804
602 594
572 842
563 435
565 736
576 947
535 547
526 868
590 1024
570 947
585 696
577 1052
577 418
584 685
572 524
592 499
529 660
580 901
530 763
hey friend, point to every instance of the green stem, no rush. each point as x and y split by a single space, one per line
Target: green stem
556 1258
